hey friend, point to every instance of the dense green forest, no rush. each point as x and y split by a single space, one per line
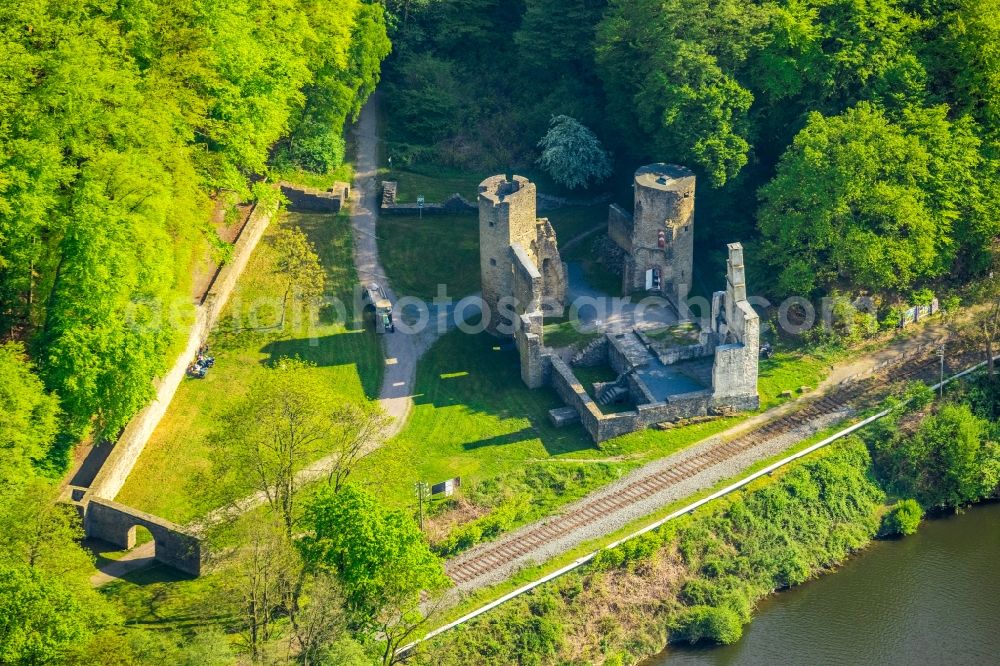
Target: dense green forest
121 125
854 144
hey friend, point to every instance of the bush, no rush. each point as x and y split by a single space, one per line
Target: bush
707 623
947 462
902 519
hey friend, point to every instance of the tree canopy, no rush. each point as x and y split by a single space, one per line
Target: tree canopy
869 202
118 123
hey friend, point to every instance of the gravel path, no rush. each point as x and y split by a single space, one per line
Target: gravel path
401 350
500 567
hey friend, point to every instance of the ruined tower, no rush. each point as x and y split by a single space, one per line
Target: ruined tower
522 272
658 238
737 329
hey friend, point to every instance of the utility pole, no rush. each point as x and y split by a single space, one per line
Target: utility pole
941 383
421 488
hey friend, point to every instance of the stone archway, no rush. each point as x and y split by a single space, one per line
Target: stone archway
116 523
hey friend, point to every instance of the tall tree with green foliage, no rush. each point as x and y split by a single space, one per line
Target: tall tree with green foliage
117 121
668 71
573 155
28 417
381 559
868 203
285 422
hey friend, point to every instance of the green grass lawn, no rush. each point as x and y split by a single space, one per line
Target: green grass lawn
562 332
571 221
168 479
685 333
473 417
419 254
293 174
787 371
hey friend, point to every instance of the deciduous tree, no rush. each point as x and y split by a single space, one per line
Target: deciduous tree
380 557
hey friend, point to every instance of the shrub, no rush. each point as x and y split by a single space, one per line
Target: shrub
707 623
902 519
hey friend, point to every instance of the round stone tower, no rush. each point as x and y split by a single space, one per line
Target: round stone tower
506 217
662 253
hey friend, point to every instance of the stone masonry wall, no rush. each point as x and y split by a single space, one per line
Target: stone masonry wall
620 227
115 470
311 199
115 523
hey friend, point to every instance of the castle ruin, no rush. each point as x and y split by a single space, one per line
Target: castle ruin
523 275
683 371
658 238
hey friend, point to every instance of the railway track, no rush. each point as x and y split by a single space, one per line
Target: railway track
487 559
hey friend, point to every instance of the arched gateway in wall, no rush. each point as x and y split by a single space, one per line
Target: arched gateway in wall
115 523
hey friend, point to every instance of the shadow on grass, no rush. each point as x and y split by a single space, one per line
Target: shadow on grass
500 440
482 375
340 349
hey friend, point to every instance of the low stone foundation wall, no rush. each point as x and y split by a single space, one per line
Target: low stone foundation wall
115 523
574 395
602 427
453 205
593 355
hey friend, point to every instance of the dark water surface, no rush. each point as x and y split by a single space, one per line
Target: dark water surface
932 598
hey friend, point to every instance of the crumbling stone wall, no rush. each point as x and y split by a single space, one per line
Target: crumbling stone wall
732 342
737 329
314 200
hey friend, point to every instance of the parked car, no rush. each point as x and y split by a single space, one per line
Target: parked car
377 303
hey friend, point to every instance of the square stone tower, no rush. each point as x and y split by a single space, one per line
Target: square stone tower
522 272
658 238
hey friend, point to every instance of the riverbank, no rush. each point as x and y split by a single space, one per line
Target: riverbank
701 578
930 598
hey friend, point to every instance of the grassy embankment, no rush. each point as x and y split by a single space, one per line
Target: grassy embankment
348 359
700 576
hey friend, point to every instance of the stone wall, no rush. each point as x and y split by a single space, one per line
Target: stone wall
454 204
669 354
574 395
115 523
617 358
119 463
737 328
620 227
593 355
310 199
527 288
555 276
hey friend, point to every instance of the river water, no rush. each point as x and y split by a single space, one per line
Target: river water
931 598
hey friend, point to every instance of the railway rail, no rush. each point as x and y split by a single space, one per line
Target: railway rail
857 394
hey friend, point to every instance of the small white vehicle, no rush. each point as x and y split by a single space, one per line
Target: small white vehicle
377 303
